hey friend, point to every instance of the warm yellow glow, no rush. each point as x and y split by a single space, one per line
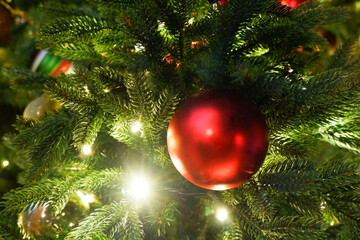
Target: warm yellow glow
106 90
71 224
86 149
5 163
221 214
332 223
139 187
135 127
86 198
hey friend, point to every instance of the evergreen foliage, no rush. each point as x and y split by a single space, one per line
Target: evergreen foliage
135 62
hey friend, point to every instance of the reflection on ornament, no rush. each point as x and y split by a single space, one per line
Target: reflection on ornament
39 106
50 64
36 222
217 140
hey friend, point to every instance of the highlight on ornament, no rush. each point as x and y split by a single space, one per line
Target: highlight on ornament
138 187
221 214
217 140
40 106
37 221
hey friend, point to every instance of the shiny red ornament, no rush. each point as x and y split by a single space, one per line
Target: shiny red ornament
217 140
292 3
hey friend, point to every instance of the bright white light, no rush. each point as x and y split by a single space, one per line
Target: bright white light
162 25
86 89
86 149
138 188
135 127
322 205
71 224
85 198
303 88
221 214
139 47
332 223
5 163
106 90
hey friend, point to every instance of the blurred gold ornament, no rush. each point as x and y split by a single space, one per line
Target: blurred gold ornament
39 106
36 222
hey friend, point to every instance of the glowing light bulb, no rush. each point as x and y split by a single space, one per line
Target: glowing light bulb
86 198
135 127
221 214
86 89
86 149
139 47
5 163
138 188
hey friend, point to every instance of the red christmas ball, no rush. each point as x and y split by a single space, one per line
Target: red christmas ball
217 140
292 3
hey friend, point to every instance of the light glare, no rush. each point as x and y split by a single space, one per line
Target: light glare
86 149
86 198
139 187
221 214
136 126
5 163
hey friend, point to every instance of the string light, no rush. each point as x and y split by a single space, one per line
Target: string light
5 163
86 198
221 214
86 149
86 89
135 127
138 188
139 47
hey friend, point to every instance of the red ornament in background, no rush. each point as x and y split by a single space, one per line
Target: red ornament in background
219 2
291 3
217 140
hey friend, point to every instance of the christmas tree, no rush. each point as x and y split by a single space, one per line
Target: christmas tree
116 142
